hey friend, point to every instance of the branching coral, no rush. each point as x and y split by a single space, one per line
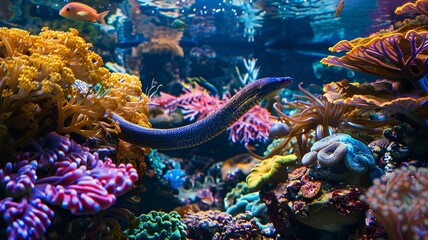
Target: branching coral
196 104
399 202
396 56
57 171
53 81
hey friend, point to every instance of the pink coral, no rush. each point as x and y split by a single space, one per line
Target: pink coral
196 104
253 126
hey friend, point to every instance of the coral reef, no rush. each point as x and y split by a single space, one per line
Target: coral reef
315 117
219 225
421 7
394 56
302 203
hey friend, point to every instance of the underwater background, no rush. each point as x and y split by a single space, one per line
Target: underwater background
214 119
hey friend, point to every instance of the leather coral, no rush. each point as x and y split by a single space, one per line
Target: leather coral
395 56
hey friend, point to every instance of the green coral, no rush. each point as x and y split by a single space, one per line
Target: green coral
159 225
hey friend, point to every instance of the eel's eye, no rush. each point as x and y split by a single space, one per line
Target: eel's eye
68 9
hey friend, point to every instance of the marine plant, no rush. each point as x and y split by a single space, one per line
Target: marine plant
54 82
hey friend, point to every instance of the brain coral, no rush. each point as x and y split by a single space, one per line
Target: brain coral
54 82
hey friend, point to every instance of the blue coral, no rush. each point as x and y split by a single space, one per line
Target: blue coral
175 178
340 157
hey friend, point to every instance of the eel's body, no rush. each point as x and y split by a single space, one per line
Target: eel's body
205 129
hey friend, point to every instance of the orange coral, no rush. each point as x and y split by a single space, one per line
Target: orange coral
421 6
396 56
413 105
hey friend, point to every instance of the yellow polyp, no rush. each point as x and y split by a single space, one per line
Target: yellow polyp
42 70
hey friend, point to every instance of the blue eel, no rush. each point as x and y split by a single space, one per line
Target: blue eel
207 128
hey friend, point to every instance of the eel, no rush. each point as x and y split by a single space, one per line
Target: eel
205 129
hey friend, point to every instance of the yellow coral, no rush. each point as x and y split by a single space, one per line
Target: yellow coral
55 82
272 170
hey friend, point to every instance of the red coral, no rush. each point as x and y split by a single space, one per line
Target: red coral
310 189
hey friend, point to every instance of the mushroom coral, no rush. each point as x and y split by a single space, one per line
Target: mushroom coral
54 82
396 56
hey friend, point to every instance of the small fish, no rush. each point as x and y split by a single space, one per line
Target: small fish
82 12
114 67
339 7
178 24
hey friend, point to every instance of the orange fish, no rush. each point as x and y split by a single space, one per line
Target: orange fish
339 8
82 12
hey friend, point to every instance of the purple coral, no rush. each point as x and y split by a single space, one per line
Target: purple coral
27 219
396 56
219 225
58 171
